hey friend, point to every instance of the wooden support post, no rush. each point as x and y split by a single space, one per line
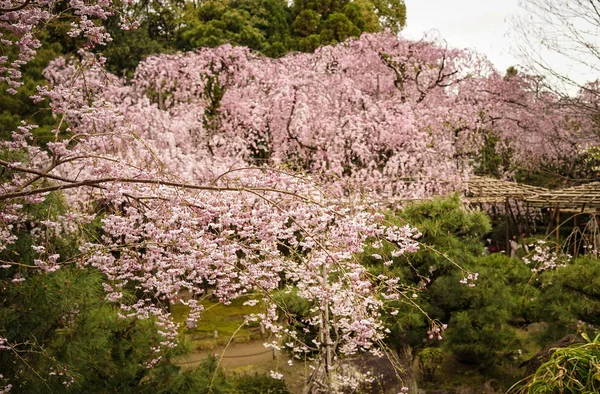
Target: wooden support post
324 335
529 230
582 239
518 219
595 234
557 229
575 236
551 221
513 217
507 227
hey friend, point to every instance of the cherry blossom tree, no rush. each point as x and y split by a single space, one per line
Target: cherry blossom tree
359 125
175 217
21 22
249 233
223 172
535 127
378 114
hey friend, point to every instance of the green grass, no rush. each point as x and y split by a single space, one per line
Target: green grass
226 319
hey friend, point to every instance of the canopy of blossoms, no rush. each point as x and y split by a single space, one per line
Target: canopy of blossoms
223 170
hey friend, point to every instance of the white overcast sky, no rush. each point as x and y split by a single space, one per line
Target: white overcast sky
482 25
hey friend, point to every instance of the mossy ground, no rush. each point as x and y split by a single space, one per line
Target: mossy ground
226 320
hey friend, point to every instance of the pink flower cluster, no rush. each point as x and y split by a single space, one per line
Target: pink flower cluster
22 19
544 256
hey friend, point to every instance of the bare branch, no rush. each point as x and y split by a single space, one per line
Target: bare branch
16 8
72 184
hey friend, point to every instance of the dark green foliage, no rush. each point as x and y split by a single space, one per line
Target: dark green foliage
337 27
392 13
128 49
259 384
309 43
262 25
324 22
20 107
451 235
485 322
480 318
160 23
362 15
274 27
293 309
306 23
430 360
568 295
64 330
162 19
207 378
63 335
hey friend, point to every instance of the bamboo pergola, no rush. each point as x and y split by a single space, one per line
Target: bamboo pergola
491 190
584 197
484 190
579 200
